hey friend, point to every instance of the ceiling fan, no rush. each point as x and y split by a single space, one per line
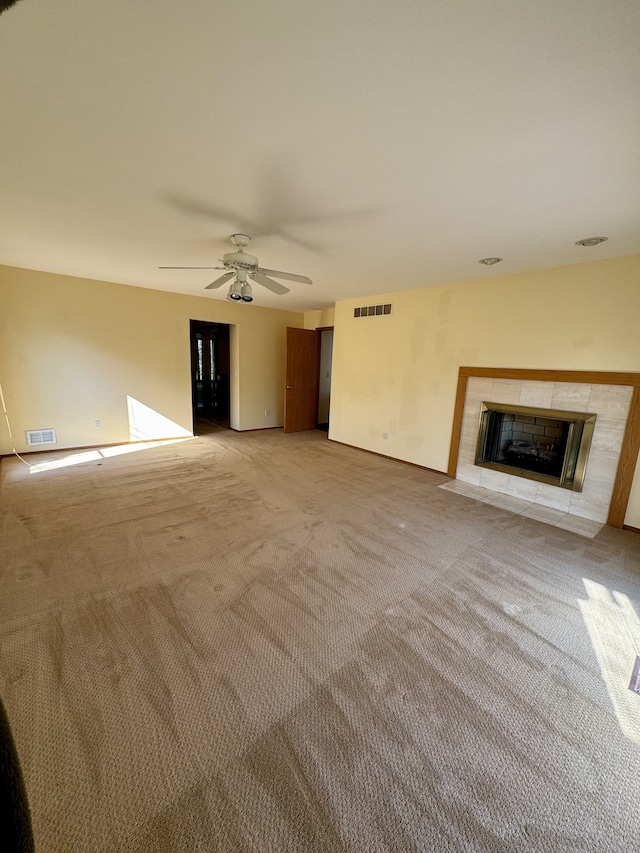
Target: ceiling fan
243 267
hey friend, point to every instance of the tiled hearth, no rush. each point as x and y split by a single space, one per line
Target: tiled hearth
610 403
548 515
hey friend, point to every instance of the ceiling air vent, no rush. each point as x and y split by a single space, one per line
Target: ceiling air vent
41 436
372 310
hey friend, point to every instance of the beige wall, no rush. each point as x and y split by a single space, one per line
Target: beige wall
73 351
398 373
319 319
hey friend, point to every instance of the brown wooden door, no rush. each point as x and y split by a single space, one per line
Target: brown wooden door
301 377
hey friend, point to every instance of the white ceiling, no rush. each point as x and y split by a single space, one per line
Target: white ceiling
371 145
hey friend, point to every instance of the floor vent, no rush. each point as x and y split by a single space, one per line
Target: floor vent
372 310
41 436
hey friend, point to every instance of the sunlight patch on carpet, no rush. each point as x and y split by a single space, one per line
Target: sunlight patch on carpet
98 455
614 629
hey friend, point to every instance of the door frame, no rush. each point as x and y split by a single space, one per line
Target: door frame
320 330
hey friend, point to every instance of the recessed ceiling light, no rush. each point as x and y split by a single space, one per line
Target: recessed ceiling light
591 241
490 261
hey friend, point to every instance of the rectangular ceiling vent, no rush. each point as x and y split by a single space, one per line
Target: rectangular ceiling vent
372 310
41 436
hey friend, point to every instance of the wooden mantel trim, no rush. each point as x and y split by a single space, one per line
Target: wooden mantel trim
587 377
626 464
458 412
630 443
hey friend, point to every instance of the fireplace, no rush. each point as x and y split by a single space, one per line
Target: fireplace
613 397
547 445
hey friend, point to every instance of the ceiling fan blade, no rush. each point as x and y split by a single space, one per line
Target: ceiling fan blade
288 276
274 216
271 285
220 281
190 268
189 204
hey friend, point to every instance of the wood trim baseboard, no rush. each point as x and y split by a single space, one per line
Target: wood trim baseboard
386 456
630 528
630 442
255 429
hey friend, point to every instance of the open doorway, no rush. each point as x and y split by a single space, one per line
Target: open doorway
324 377
210 388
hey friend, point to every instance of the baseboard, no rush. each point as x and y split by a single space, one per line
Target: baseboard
630 528
256 429
386 456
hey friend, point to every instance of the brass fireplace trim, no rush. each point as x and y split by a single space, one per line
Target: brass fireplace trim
630 443
574 479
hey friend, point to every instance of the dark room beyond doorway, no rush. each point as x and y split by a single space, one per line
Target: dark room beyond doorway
210 375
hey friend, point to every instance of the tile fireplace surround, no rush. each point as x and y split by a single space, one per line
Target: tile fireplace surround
613 397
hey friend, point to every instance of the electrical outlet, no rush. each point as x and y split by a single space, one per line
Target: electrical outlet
267 412
98 423
385 435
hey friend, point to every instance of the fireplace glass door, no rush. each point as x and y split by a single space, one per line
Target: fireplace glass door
547 445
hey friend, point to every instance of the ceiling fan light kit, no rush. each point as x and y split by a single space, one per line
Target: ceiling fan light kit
235 292
244 266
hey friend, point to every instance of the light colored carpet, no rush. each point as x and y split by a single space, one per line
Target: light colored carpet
260 642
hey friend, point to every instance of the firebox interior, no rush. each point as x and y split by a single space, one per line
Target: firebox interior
547 445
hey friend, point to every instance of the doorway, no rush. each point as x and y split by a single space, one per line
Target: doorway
210 388
308 378
324 377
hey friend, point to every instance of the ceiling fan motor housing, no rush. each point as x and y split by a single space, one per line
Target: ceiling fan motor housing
240 260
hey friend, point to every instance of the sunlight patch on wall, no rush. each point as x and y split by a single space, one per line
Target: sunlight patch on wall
146 423
614 629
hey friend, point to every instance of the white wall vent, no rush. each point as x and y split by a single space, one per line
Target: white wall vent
41 436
